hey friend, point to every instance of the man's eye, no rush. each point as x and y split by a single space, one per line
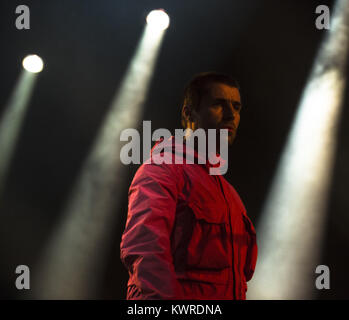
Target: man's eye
237 107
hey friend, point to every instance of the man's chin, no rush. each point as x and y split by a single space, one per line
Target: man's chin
230 140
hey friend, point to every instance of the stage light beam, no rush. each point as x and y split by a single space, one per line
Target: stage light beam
72 264
293 218
11 121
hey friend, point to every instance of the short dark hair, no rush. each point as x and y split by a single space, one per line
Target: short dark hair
197 87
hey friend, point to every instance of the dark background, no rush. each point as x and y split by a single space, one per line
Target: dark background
269 46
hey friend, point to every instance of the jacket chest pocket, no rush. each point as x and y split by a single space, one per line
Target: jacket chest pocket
208 247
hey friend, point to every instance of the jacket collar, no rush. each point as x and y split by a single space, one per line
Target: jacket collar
173 150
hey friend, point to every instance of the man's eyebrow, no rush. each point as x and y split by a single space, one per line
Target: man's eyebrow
235 102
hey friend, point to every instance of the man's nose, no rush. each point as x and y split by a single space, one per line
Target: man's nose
228 113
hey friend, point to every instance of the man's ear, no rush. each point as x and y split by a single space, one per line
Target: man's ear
186 114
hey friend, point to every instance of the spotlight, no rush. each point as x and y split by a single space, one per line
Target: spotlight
33 63
158 19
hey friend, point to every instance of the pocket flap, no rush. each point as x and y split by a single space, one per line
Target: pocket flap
210 212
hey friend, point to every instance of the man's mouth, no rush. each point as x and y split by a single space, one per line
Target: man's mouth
229 128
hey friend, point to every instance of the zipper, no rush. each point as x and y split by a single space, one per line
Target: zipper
231 233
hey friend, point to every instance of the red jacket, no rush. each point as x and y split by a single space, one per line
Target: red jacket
187 235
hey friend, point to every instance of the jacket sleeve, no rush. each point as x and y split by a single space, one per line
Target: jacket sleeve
145 245
252 252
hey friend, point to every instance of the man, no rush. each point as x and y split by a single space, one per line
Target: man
187 235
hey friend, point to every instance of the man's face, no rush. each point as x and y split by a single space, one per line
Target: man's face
219 109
